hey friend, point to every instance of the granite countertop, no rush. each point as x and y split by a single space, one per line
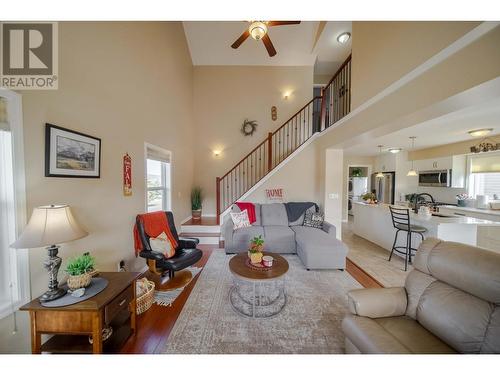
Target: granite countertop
472 209
436 220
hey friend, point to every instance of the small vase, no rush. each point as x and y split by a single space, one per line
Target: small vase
255 258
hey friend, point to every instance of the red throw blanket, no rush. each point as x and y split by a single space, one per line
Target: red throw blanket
154 224
250 207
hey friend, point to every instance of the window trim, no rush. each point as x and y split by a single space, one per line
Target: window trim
168 192
15 116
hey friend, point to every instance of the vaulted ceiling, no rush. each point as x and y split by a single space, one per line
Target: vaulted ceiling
309 43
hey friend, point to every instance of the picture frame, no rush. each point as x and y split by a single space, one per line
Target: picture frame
69 153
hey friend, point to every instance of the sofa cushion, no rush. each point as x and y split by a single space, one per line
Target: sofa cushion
395 335
274 214
279 239
242 237
457 317
318 249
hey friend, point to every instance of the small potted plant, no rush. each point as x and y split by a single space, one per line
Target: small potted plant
196 199
80 270
369 198
256 247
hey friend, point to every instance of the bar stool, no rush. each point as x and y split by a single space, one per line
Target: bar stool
401 222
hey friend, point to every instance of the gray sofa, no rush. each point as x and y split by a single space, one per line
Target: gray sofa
318 249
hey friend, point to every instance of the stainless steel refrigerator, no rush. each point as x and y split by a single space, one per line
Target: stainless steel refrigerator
383 187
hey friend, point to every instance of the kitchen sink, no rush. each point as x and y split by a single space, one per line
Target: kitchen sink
441 215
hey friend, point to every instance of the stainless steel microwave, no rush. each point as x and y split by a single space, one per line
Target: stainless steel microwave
435 178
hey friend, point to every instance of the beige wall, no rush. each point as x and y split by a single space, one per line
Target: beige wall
334 188
458 148
224 96
299 180
382 52
125 83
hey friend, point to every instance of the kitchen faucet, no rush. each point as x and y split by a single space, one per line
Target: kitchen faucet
417 199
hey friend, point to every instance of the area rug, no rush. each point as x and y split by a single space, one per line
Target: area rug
167 297
309 323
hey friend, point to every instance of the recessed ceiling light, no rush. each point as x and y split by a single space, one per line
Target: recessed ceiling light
480 132
395 150
344 37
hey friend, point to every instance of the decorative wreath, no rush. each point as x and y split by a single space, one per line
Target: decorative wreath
249 127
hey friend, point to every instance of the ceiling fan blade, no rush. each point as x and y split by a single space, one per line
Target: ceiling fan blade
241 39
282 23
269 45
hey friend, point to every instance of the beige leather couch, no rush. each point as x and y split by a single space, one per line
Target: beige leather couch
450 303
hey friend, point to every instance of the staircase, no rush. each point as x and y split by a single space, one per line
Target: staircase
316 116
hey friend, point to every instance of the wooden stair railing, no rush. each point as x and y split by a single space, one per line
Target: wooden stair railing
317 115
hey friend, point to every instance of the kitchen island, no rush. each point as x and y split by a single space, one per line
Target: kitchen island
373 222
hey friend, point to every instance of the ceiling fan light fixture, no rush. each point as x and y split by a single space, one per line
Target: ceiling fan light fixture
344 37
257 30
480 132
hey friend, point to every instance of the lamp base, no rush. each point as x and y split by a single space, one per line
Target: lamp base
51 295
52 264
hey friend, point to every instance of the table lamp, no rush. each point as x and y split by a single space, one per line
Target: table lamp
48 226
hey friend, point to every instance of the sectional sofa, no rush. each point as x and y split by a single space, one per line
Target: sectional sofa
317 248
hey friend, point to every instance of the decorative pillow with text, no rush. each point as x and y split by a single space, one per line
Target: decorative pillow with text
240 220
313 219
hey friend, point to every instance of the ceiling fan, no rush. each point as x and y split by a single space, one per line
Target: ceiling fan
258 30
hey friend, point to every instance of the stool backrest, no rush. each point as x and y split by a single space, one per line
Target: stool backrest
400 217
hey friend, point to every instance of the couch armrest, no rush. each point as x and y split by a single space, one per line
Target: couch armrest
227 230
330 229
378 302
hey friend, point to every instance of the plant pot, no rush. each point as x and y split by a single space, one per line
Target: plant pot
79 281
259 248
255 257
196 214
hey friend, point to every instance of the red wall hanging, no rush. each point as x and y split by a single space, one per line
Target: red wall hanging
127 175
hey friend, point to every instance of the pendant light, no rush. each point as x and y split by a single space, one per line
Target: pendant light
380 174
412 172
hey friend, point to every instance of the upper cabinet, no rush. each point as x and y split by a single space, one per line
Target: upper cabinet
456 163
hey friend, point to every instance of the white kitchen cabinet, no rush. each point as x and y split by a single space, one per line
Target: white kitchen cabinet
457 164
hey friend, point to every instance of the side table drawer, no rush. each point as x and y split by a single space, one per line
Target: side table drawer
118 304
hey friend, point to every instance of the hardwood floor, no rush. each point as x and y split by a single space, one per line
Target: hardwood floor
205 220
154 326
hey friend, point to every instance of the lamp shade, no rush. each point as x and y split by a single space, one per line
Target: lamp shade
49 225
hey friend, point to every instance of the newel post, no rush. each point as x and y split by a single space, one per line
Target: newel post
217 189
270 152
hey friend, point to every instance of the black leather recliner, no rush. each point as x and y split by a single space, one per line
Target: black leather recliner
186 253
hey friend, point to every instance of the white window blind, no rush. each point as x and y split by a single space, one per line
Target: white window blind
486 164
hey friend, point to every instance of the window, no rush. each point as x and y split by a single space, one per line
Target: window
157 179
485 184
484 178
14 280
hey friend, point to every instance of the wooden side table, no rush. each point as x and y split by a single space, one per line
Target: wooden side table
71 325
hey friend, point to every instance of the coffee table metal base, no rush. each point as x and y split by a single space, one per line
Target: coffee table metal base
258 299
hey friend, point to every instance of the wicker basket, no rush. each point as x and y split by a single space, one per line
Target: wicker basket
79 281
144 302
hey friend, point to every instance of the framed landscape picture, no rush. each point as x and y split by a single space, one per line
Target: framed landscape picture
71 154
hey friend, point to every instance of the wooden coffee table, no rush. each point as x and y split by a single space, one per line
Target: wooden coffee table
258 293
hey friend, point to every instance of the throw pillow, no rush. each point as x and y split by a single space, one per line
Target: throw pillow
313 219
240 220
162 245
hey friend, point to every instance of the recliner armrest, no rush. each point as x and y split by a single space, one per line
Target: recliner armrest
188 243
330 229
151 254
378 302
